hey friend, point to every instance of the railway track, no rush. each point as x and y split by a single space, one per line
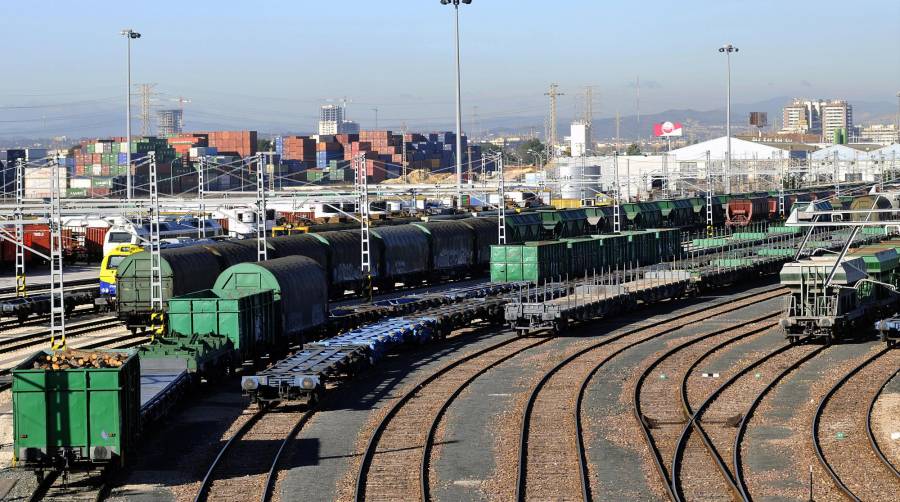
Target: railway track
234 473
660 417
737 448
551 441
78 311
23 341
72 487
10 292
392 465
839 432
722 409
870 430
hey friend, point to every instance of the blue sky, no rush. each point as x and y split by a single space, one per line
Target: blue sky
276 61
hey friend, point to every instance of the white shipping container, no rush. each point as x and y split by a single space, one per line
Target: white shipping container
37 193
97 169
80 183
98 148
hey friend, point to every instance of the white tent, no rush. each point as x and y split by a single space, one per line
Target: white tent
740 149
889 152
843 152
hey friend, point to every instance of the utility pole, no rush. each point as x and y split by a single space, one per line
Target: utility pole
638 105
146 97
403 164
157 322
201 189
617 217
709 213
362 194
552 137
501 206
617 131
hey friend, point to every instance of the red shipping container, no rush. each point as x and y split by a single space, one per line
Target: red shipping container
93 241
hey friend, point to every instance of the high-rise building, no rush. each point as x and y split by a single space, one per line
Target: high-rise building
836 114
170 122
580 138
802 116
330 117
883 134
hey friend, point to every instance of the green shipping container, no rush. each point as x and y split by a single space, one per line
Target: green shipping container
89 415
101 182
76 192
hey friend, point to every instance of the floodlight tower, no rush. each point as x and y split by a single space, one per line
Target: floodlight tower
455 4
727 49
129 34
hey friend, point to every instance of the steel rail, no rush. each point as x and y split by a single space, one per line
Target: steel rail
742 428
636 397
369 454
873 442
583 464
24 341
817 417
691 416
207 481
432 429
694 418
269 487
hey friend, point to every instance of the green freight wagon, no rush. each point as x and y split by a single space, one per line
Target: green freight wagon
676 213
183 270
211 322
80 418
300 292
544 261
562 223
522 227
640 215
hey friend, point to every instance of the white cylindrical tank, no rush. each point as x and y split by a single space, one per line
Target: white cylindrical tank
576 179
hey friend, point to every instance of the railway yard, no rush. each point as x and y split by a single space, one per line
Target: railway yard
644 364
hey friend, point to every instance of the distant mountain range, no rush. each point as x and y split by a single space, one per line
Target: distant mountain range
698 124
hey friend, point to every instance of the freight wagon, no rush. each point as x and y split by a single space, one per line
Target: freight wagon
857 295
741 212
